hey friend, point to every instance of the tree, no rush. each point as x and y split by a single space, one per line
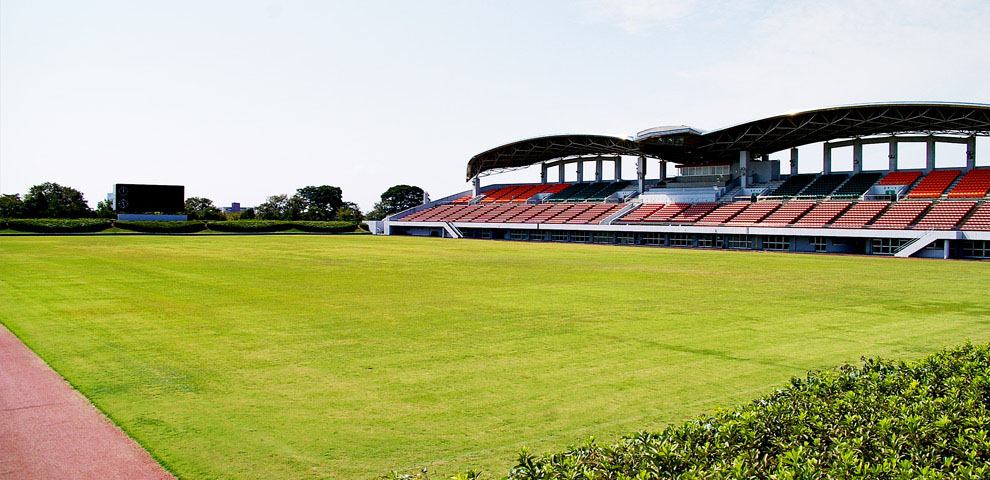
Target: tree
349 212
11 206
246 215
273 208
202 208
322 202
51 200
295 208
395 200
104 209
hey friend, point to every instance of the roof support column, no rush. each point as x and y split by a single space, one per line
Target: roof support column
641 173
475 186
543 172
892 156
744 169
560 173
826 158
580 171
618 168
930 155
970 153
794 161
598 170
857 156
663 171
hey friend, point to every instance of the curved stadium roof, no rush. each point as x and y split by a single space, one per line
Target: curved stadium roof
686 145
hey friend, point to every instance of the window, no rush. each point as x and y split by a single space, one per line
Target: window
820 244
710 241
603 237
558 236
625 238
580 237
519 235
887 246
705 170
486 233
976 248
776 242
653 238
738 241
538 236
681 240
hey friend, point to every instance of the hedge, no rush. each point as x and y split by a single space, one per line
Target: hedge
191 226
244 226
884 420
58 225
325 227
249 226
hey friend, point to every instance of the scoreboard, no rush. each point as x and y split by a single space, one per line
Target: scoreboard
137 198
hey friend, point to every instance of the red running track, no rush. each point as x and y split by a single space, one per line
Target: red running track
49 430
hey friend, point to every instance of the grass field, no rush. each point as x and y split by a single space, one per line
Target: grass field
349 356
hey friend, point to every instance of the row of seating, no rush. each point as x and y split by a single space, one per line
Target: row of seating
922 215
934 184
587 192
571 213
857 185
979 220
944 215
515 193
823 185
975 184
793 185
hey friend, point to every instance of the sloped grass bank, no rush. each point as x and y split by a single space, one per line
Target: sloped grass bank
884 420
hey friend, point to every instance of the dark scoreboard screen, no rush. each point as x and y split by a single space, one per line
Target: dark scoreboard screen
136 198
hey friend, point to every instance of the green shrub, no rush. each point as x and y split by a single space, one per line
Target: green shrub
884 420
249 226
58 225
191 226
325 227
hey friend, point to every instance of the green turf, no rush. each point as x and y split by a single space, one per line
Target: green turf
349 356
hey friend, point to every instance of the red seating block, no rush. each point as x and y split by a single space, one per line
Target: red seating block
980 219
945 215
694 212
667 212
786 214
822 214
900 178
859 215
976 183
753 213
723 213
934 184
900 215
641 212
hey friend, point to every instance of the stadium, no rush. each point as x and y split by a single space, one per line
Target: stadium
729 194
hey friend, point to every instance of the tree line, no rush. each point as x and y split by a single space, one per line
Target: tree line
323 202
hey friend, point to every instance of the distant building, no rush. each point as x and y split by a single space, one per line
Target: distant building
235 207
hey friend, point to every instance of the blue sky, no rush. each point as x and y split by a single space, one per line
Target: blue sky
239 100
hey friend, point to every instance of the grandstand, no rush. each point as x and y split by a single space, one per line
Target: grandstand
728 193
